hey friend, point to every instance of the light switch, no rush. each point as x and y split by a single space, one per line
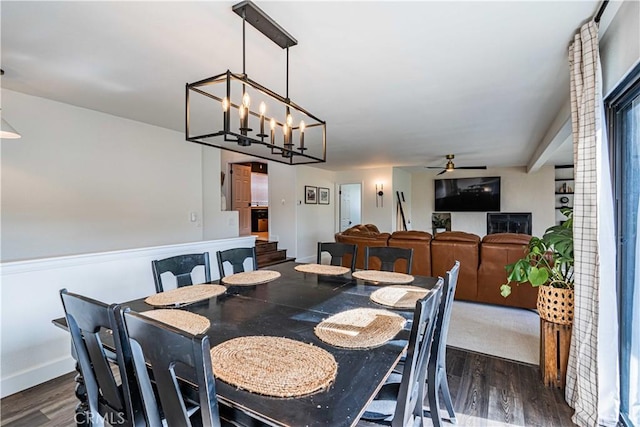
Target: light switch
193 216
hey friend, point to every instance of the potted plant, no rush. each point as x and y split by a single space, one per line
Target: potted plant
548 264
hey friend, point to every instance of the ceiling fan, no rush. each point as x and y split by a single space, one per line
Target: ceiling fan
450 167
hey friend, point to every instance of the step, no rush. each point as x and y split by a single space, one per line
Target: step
265 247
270 257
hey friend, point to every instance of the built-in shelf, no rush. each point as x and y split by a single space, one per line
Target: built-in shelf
563 176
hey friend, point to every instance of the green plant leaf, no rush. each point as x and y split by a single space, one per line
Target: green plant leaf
538 276
505 290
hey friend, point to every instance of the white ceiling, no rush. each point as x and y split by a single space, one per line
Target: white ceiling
399 83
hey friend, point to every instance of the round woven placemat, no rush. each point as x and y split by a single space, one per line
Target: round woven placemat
360 328
327 270
383 276
185 295
249 278
181 319
398 296
273 366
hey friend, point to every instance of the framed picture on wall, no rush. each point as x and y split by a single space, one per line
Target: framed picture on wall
323 196
310 195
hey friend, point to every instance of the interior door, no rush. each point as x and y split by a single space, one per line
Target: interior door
241 196
350 202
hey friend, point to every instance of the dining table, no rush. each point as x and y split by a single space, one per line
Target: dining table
291 306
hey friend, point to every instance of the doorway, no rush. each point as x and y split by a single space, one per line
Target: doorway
250 197
350 205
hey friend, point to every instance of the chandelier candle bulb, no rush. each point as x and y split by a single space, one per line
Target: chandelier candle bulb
263 109
225 108
285 131
301 134
273 131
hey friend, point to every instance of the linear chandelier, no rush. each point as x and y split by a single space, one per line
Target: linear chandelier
232 112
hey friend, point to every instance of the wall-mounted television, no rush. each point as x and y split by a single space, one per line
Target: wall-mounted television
468 194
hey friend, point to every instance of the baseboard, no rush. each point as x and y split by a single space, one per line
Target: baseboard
307 260
37 375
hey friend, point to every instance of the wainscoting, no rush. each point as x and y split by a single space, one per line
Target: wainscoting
35 351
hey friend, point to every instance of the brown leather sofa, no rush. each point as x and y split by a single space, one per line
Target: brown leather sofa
449 246
420 242
498 250
364 236
482 262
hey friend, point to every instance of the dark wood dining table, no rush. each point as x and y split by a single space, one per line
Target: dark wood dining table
291 306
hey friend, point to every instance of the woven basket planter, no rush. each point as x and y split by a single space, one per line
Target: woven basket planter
555 305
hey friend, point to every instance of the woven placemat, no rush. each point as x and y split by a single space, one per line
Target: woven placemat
360 328
180 319
185 295
273 366
399 296
383 276
249 278
327 270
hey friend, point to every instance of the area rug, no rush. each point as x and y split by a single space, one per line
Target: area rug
507 332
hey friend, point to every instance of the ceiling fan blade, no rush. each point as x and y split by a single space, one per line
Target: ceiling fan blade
433 167
471 167
443 171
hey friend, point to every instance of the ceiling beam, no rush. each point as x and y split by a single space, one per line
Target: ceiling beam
556 136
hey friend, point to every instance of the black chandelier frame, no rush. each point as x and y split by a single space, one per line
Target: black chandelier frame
241 140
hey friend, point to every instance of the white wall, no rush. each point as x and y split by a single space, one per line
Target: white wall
80 181
282 206
402 184
315 223
620 44
520 192
218 223
381 216
33 350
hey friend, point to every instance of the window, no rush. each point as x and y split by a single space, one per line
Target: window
623 117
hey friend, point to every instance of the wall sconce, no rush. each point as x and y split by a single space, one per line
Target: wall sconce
379 194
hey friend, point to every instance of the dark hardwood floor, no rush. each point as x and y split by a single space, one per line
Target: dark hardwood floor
486 391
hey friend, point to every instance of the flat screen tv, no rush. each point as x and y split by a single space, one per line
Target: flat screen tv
468 194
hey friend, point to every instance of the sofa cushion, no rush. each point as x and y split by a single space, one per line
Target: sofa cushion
457 236
363 236
451 246
496 252
420 242
507 238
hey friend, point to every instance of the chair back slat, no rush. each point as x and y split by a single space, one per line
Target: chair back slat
444 316
181 266
168 350
338 251
412 386
388 255
87 319
236 258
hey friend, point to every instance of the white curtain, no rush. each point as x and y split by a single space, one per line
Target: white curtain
592 386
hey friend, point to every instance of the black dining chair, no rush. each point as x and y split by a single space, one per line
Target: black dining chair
167 350
437 368
388 255
181 266
116 401
236 258
401 404
338 251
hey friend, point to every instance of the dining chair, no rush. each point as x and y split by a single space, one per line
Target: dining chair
236 257
337 252
437 369
181 266
401 404
388 255
117 402
162 350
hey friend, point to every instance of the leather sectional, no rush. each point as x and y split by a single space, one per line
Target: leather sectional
482 261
